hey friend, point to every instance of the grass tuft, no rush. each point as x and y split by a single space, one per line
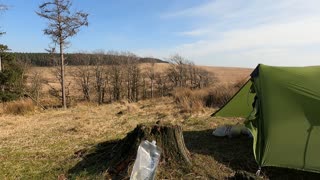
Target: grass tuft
19 107
190 100
220 95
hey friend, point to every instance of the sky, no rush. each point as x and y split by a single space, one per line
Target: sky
237 33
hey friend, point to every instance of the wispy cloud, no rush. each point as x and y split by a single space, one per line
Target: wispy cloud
263 10
215 7
246 32
196 32
270 35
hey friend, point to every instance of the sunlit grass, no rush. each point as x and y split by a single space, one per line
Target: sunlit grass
48 144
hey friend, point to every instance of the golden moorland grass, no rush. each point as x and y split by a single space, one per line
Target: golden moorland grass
19 107
42 145
76 142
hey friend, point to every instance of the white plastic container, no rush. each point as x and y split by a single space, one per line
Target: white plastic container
147 160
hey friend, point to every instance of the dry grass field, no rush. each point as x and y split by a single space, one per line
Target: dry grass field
77 143
46 144
223 74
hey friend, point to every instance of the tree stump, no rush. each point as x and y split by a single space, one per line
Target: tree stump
169 139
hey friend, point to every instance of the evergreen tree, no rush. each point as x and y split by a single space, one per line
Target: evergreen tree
11 76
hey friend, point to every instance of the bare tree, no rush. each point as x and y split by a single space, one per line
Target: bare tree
184 73
3 8
100 78
162 84
83 75
116 76
144 78
135 82
3 48
151 75
62 25
178 71
132 76
36 85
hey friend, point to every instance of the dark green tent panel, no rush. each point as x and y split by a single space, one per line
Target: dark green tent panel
285 122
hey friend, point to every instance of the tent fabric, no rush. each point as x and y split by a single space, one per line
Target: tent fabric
285 121
240 105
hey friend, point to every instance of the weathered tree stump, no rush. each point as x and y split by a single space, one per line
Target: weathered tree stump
169 139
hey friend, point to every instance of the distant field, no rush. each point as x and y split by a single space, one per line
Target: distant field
229 74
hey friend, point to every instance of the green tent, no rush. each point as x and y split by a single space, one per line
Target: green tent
282 107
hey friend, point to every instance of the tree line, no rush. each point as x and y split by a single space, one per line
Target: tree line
77 59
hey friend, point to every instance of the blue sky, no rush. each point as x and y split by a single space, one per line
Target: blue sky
239 33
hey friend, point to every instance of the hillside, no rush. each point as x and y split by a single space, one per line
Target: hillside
229 74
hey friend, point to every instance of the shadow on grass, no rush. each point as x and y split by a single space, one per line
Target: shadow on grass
96 161
237 153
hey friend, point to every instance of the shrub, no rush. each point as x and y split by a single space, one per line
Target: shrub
215 96
19 107
220 95
190 100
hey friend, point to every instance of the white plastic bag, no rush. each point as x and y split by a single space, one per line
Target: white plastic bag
147 160
231 131
222 131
